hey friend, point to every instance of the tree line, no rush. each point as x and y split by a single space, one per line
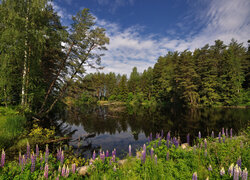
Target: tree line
216 75
39 57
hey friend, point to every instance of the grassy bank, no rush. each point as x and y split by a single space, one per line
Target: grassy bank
11 126
162 158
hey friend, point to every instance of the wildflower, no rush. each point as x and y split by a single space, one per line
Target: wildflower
236 172
159 142
167 143
37 151
62 158
102 157
224 139
114 152
113 158
239 162
2 158
157 136
231 133
107 153
155 159
219 137
231 170
223 133
210 168
151 137
28 150
46 171
23 162
152 152
41 161
162 133
205 143
63 171
199 135
194 176
59 169
226 132
94 155
73 168
67 172
188 138
33 161
222 171
167 156
58 154
144 147
205 153
57 178
244 174
129 150
143 157
114 169
46 154
212 135
168 136
20 159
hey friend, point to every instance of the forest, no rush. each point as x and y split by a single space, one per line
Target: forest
214 75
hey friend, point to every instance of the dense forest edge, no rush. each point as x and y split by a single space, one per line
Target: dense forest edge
42 71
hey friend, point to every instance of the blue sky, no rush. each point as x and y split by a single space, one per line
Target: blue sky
142 30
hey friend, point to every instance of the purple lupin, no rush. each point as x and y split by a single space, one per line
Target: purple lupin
23 162
236 172
46 171
94 155
223 132
62 158
219 137
244 174
194 176
113 158
144 147
107 153
231 133
67 172
205 143
114 152
162 133
210 168
231 170
152 152
222 171
188 139
212 135
143 157
20 159
63 171
159 142
155 159
2 158
46 154
37 151
129 150
73 168
239 162
168 136
33 162
167 158
224 139
227 132
41 161
199 134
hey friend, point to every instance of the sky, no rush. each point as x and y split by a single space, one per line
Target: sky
142 30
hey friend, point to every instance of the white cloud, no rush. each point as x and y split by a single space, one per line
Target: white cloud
224 20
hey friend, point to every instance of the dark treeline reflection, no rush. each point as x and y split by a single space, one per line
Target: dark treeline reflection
117 127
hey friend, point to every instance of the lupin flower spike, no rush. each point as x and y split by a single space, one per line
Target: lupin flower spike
155 159
46 171
73 168
107 153
210 168
194 176
46 154
212 135
244 174
205 143
2 158
151 152
67 172
144 147
199 135
62 158
129 150
33 162
94 155
231 133
63 171
188 138
222 171
143 157
231 170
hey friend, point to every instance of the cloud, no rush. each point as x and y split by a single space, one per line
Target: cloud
224 20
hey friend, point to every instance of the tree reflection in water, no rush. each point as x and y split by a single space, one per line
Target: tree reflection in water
117 127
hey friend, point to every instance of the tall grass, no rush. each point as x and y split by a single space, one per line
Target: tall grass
11 125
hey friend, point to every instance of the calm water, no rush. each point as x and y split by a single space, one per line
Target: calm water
117 127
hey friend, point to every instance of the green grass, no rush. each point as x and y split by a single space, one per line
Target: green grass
11 125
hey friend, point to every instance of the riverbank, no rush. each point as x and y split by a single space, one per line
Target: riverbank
161 158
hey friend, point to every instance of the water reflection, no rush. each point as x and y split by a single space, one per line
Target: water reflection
119 126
